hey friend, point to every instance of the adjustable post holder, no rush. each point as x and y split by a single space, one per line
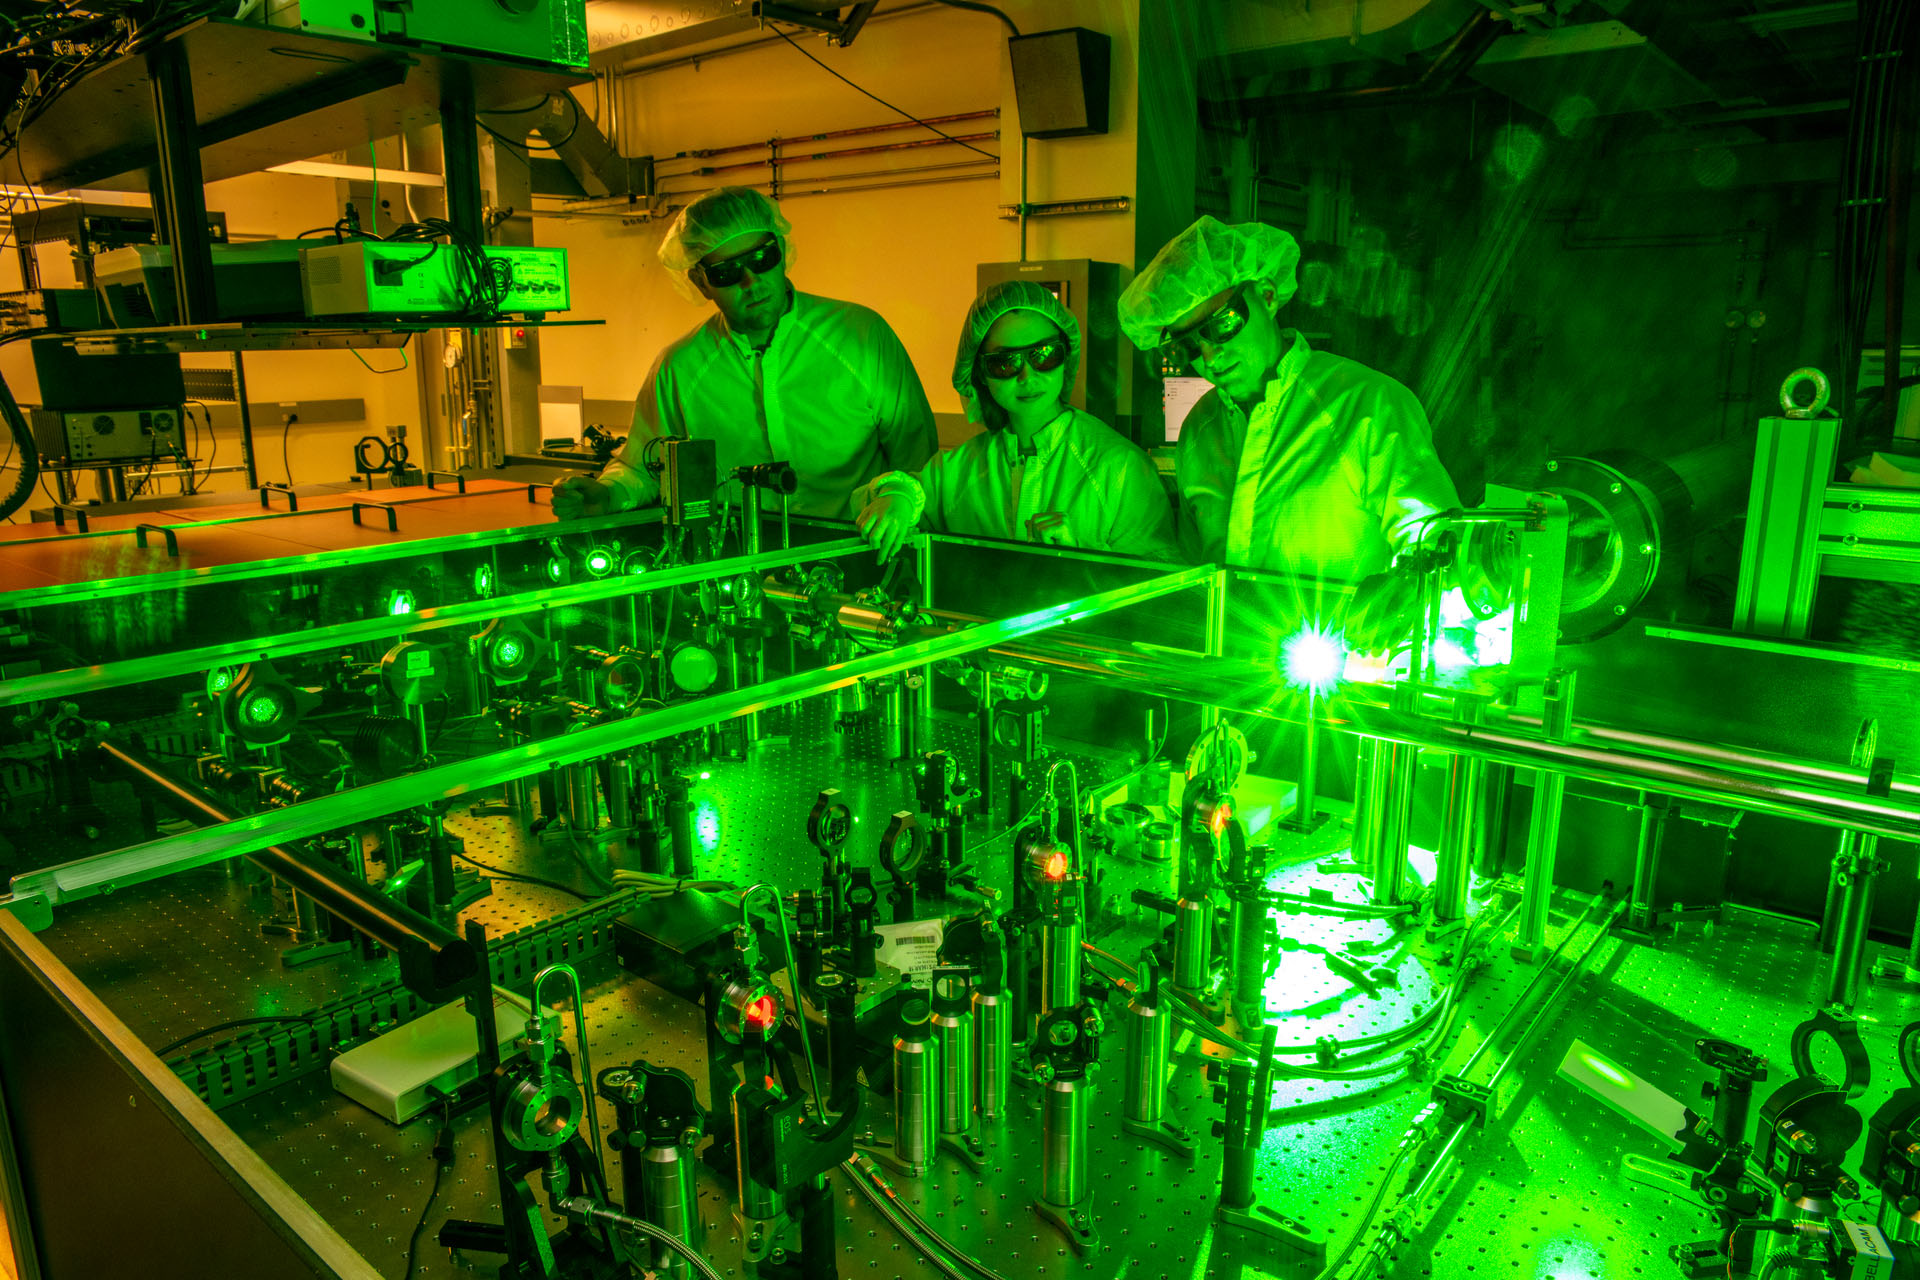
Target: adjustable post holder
1149 1048
1063 1056
658 1122
1247 1092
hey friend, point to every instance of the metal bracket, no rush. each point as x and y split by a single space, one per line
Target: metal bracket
1277 1227
1462 1100
64 509
1166 1134
1076 1224
459 480
393 517
140 532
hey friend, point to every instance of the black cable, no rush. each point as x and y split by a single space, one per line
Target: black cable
442 1161
228 1026
555 146
509 875
877 98
976 7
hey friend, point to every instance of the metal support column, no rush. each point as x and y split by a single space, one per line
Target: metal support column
460 138
1216 635
1454 864
1855 864
1642 913
182 194
1543 828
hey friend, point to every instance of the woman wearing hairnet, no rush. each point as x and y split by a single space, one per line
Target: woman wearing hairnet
774 375
1297 461
1042 471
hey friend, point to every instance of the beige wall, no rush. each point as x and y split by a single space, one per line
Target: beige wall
908 252
261 206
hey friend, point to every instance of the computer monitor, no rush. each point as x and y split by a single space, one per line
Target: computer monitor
1177 398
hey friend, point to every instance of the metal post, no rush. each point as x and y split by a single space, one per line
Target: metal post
1396 767
460 141
1455 861
1646 862
1149 1050
1308 785
1854 870
1543 828
755 666
1543 847
246 422
921 704
916 1090
182 195
1215 641
1364 847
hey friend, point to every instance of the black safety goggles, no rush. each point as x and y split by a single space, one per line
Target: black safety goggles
1041 357
724 275
1218 329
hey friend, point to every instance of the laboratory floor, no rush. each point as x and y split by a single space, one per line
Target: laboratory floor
1555 1185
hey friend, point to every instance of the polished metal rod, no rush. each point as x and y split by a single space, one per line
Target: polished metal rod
34 893
1254 689
79 680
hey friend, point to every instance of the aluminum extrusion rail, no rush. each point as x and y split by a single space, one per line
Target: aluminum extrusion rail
80 680
1245 686
34 894
434 961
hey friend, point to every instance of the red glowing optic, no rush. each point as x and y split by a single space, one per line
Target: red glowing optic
1056 865
1222 815
760 1013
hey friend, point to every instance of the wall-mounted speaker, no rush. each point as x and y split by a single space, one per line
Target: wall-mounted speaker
1062 82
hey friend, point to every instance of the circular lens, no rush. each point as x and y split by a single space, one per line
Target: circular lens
556 569
600 562
483 580
262 709
399 602
509 652
219 680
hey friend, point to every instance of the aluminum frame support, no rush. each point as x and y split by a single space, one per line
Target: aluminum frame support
35 894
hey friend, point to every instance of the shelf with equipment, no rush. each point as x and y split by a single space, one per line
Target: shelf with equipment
262 335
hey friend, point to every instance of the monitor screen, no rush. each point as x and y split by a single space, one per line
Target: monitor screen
1178 396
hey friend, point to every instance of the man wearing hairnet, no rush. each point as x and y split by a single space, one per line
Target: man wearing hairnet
1297 461
774 375
1042 471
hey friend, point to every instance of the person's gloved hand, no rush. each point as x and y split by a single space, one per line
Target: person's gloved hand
1384 612
578 496
888 520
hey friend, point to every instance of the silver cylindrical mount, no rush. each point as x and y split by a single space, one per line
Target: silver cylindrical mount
993 1032
666 1188
1065 1108
1149 1045
1193 943
954 1032
916 1090
1060 963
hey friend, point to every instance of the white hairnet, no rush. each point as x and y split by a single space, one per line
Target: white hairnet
997 301
711 221
1209 257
